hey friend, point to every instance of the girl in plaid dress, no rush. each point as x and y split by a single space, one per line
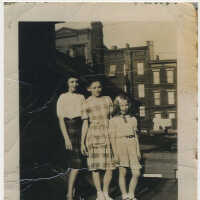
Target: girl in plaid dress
69 112
95 138
125 145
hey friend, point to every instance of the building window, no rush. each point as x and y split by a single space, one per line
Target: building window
142 111
157 98
170 76
140 68
125 69
171 115
112 70
86 53
141 90
71 52
156 77
171 97
77 51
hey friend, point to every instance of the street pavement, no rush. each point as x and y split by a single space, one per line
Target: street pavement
159 155
158 159
158 162
165 189
151 189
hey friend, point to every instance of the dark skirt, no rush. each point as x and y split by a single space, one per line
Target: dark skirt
74 127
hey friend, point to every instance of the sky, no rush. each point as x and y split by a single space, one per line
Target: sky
163 35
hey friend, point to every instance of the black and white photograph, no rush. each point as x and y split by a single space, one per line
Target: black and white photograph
98 109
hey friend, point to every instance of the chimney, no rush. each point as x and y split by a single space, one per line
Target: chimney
97 34
151 49
127 45
96 25
114 47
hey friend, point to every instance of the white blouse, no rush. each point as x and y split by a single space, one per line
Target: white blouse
70 105
119 128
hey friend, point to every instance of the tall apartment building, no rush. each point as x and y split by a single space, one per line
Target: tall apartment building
128 69
163 90
150 82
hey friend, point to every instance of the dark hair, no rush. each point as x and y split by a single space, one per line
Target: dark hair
72 76
122 96
92 80
69 77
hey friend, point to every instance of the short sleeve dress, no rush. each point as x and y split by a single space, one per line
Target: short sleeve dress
123 128
98 111
70 108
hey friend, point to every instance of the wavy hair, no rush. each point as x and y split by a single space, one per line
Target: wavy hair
122 96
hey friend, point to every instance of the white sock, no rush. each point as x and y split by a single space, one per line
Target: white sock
125 195
132 196
107 195
99 192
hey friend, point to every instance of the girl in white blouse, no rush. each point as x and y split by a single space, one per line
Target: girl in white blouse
125 145
69 112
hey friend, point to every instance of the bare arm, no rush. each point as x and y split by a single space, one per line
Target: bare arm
84 131
112 135
114 146
138 145
65 133
136 138
83 137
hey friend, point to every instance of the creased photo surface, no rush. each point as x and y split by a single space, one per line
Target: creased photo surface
101 101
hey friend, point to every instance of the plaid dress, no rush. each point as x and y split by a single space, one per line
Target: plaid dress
98 111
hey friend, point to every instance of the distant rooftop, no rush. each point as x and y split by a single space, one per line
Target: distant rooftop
67 32
162 61
130 48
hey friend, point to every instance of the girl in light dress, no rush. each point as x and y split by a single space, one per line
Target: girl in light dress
69 112
96 140
125 145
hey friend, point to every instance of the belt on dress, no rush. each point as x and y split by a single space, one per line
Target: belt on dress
98 123
130 136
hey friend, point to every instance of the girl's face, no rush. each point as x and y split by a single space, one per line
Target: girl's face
124 106
95 89
72 84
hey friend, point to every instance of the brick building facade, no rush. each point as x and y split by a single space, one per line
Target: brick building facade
163 91
128 69
150 82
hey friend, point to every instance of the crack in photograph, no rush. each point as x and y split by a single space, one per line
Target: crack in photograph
98 110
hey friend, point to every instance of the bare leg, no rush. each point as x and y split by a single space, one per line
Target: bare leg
106 180
97 183
133 182
122 181
72 178
96 179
